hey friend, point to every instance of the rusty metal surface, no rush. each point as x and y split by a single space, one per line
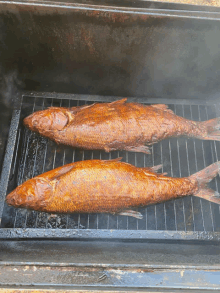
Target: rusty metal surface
94 277
22 290
5 290
194 2
99 50
76 291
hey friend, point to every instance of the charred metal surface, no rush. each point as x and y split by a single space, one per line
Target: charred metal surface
98 50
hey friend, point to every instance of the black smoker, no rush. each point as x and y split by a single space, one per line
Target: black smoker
69 54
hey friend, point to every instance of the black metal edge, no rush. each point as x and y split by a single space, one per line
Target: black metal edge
151 12
131 4
32 233
146 4
100 98
9 154
111 266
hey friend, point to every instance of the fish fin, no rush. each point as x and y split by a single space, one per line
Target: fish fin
122 101
154 169
56 108
56 173
212 129
203 177
206 175
162 107
76 109
131 213
115 160
209 194
138 149
108 149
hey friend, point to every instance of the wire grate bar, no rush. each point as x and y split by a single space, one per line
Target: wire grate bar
206 204
196 164
164 205
188 174
155 206
180 206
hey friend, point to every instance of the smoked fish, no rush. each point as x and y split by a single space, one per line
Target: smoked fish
117 126
98 186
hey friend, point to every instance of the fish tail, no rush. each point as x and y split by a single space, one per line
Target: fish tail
203 177
210 129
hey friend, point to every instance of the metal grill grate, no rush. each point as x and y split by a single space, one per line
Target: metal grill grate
180 157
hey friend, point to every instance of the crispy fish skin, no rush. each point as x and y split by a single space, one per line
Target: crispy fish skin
117 126
97 186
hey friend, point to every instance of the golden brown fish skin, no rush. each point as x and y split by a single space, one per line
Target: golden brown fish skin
97 186
117 125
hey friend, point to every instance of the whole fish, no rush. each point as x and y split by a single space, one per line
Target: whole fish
98 186
117 126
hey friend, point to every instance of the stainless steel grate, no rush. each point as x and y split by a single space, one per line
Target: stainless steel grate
180 157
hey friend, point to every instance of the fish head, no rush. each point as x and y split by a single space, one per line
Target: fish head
48 120
32 194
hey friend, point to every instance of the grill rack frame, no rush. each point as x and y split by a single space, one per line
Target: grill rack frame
14 233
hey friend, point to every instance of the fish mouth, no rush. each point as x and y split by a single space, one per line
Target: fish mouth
15 198
11 199
36 122
28 122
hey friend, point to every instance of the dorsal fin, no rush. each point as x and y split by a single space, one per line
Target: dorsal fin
118 102
76 109
115 160
162 107
56 108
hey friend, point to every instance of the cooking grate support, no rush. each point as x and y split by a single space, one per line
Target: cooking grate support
184 218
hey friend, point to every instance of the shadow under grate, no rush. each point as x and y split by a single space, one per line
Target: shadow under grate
180 157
